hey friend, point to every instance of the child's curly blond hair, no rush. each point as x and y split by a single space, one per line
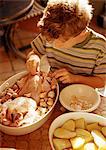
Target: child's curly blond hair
65 18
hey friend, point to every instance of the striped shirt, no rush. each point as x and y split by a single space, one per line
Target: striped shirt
86 58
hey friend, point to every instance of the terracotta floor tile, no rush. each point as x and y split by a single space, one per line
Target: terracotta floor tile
3 56
5 76
18 64
13 56
5 67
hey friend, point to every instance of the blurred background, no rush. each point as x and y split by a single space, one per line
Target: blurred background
18 27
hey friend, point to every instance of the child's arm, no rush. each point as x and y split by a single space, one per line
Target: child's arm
66 77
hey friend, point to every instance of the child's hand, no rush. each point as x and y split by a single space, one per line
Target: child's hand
64 76
33 64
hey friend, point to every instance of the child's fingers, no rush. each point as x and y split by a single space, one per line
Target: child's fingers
59 73
65 82
63 78
67 79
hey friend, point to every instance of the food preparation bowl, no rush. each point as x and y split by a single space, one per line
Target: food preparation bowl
29 128
59 121
84 92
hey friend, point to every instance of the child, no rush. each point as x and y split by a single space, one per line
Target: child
76 53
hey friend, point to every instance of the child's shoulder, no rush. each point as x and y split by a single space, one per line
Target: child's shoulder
98 41
97 35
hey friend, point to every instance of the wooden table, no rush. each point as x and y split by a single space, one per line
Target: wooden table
38 140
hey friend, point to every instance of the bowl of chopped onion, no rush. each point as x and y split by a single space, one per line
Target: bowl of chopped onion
79 97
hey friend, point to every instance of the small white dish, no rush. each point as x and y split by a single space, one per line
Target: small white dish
80 90
101 91
60 120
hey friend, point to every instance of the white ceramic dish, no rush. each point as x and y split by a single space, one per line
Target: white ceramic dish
29 128
59 121
79 90
101 91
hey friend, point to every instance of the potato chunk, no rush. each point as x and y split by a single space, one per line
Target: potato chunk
99 139
84 134
80 123
77 142
69 125
90 146
102 148
103 131
61 144
93 126
63 133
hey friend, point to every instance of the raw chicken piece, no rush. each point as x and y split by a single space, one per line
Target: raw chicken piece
32 87
44 65
45 86
33 64
32 84
22 103
30 117
22 81
12 112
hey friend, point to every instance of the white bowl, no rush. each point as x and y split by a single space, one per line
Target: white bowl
59 121
79 90
29 128
102 91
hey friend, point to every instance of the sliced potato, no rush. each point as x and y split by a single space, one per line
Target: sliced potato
77 142
63 133
102 148
93 126
84 134
103 131
81 148
99 139
80 123
69 125
61 144
90 146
